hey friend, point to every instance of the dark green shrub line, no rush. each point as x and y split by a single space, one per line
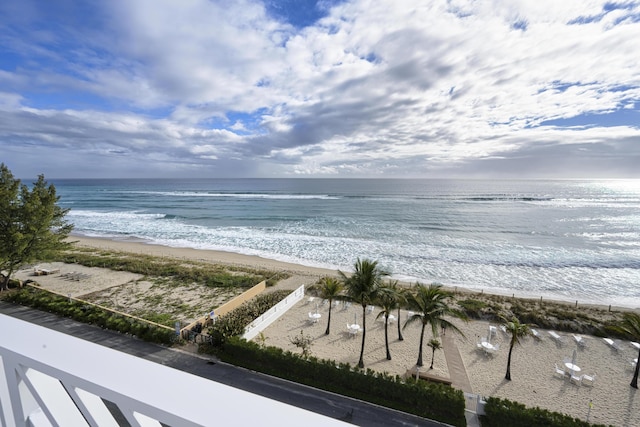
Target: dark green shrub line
428 400
45 301
503 412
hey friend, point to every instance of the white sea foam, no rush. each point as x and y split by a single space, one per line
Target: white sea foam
534 243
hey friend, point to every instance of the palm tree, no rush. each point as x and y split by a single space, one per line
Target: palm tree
330 288
362 288
400 295
387 300
630 325
431 307
435 345
517 330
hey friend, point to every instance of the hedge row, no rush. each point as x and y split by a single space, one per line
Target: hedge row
45 301
503 412
429 400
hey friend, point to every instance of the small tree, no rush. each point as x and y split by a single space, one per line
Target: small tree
330 289
517 330
435 345
303 342
32 225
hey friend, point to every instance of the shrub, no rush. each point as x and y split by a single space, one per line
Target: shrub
430 400
503 412
472 307
45 301
234 322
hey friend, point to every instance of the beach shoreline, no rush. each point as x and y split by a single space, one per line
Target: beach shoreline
253 261
534 382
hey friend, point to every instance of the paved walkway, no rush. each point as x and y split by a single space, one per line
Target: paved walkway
459 378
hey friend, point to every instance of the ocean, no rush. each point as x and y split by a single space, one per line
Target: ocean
573 240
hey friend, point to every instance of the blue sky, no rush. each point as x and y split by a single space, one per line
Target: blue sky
306 88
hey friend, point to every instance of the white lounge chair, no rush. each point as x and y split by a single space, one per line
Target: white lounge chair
559 339
370 309
588 380
559 372
611 343
580 340
535 333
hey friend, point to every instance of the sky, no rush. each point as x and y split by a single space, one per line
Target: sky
320 88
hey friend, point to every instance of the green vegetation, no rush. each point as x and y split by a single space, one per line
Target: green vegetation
212 275
330 289
543 314
431 304
503 412
630 326
42 300
363 288
517 330
233 323
32 225
430 400
389 300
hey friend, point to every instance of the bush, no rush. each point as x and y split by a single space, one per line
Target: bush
233 323
429 400
42 300
503 412
472 307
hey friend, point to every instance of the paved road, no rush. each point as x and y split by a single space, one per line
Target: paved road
325 403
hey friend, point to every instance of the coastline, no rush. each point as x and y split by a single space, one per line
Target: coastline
222 257
253 261
533 384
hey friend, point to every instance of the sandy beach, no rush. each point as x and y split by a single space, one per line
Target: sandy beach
534 381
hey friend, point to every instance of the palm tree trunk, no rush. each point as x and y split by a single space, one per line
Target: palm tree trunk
420 350
433 355
400 337
4 283
508 375
634 381
386 335
329 318
364 333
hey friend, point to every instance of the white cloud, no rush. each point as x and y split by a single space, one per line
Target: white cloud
402 87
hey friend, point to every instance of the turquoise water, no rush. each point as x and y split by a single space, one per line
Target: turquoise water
572 240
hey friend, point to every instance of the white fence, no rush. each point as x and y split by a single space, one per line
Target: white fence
42 384
260 324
